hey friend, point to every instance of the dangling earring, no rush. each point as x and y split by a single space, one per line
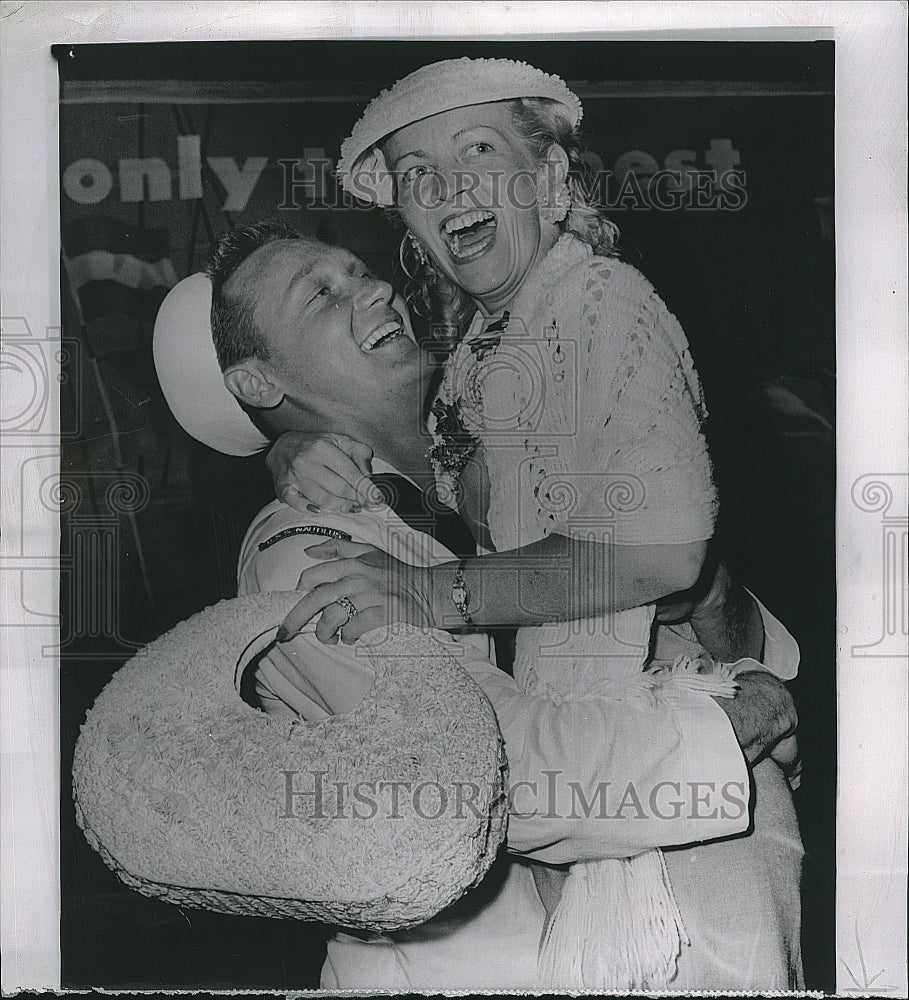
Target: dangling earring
417 248
560 207
410 245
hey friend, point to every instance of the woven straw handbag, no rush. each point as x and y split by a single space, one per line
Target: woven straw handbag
377 818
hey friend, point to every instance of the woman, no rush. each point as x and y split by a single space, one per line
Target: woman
573 393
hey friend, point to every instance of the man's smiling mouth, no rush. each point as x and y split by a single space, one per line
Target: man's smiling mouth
385 334
470 234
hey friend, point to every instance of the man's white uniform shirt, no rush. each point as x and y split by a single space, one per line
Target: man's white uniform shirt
679 756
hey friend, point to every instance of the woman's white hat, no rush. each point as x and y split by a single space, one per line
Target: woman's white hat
191 377
430 90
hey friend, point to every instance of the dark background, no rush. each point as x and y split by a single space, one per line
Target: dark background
753 288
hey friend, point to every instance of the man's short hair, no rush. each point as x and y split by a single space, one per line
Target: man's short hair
233 327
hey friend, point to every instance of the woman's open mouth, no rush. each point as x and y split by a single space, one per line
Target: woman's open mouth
469 235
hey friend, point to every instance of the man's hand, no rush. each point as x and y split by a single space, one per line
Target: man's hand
381 588
320 471
763 717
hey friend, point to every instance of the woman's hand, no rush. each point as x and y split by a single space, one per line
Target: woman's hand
381 588
320 471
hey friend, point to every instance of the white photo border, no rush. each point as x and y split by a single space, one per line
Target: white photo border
872 431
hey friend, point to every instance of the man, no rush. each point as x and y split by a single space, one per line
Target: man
308 340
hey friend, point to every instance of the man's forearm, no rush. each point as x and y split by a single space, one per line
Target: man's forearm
725 618
611 777
733 630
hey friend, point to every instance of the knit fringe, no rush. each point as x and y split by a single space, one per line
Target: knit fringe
617 927
697 673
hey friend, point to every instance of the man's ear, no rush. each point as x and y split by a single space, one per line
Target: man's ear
254 384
